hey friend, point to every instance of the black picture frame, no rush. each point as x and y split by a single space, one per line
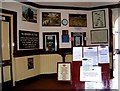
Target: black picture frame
78 39
98 19
77 20
50 41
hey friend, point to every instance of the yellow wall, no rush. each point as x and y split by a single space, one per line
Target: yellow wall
48 63
21 67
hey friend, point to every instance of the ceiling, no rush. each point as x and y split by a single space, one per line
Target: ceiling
76 4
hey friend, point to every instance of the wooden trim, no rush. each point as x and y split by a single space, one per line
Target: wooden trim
70 7
54 7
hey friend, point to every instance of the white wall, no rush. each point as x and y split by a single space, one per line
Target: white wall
64 15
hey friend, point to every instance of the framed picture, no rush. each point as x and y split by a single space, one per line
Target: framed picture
29 14
98 18
64 71
99 36
78 39
77 20
51 19
65 36
51 41
30 63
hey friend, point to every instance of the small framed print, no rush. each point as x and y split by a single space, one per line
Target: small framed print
30 63
98 18
64 71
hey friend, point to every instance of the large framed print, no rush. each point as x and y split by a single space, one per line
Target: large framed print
51 19
98 18
29 14
50 41
77 20
64 71
99 36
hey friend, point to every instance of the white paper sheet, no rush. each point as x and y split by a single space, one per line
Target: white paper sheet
103 54
90 73
91 52
94 85
87 62
77 53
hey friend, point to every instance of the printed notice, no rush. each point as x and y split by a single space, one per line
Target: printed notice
77 53
94 85
90 73
91 53
103 54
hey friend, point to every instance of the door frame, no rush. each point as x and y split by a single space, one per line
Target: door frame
8 13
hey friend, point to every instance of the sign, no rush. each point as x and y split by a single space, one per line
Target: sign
28 40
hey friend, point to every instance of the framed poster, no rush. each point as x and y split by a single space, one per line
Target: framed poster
77 20
50 41
64 71
65 36
98 18
99 36
51 19
29 14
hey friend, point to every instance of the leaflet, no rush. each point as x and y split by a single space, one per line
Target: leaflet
90 73
91 52
77 53
103 54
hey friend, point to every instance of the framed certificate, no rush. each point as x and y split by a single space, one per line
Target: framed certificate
64 71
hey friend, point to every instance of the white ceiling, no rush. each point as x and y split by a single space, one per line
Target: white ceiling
76 4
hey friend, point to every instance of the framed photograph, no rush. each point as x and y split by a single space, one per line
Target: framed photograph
98 18
99 36
30 63
29 14
78 39
64 71
51 19
77 20
65 36
50 41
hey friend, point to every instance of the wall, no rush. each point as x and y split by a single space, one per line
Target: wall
45 64
65 15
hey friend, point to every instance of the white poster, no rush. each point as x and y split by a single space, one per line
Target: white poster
90 73
103 54
77 53
91 53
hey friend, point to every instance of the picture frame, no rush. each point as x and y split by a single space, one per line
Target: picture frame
29 14
30 63
51 19
77 20
78 39
64 71
99 36
98 18
65 36
51 41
